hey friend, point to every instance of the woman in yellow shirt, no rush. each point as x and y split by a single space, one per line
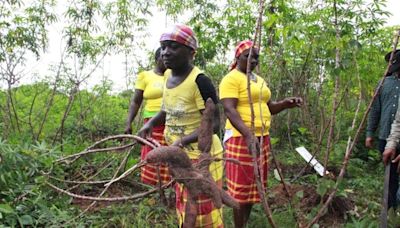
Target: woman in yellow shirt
149 88
238 136
185 92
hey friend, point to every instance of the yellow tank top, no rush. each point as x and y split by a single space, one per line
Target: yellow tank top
234 85
182 105
152 86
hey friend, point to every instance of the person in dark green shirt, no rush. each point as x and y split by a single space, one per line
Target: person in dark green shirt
382 114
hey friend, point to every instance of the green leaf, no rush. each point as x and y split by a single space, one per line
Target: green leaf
300 194
302 130
274 140
39 180
322 188
6 209
26 220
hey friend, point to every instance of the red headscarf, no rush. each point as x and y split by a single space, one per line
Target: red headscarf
240 48
181 34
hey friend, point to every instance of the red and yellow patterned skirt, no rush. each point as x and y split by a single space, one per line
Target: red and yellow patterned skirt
240 178
208 216
148 173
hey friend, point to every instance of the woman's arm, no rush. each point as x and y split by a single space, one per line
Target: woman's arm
276 107
207 90
233 115
136 102
156 120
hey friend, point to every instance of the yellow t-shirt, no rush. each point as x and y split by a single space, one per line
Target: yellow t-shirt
152 86
182 105
234 85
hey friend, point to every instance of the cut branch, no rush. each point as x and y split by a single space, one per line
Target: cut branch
105 199
252 147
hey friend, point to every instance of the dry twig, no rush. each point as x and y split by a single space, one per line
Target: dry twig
107 199
252 147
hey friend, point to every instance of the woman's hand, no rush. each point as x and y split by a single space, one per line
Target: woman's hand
291 102
136 102
252 144
145 131
276 107
147 128
128 130
178 143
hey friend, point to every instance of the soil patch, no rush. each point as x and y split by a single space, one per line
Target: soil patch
305 198
291 171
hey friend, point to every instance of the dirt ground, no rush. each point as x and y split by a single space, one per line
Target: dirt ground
310 199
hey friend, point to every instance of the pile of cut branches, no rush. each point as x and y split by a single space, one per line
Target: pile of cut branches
195 177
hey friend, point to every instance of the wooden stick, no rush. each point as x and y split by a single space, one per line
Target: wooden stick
79 182
385 197
106 188
91 150
253 148
105 199
117 149
92 176
126 173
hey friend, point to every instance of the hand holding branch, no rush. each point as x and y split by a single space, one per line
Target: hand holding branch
145 131
389 156
252 143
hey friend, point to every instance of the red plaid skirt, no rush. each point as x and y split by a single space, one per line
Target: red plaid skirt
148 173
208 216
240 178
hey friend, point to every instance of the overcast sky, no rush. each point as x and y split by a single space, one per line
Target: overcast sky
113 66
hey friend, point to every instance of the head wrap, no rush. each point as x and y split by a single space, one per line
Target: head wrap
181 34
395 61
240 48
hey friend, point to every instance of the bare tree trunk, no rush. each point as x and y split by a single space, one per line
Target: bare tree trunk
53 93
271 30
8 116
11 104
30 114
71 99
5 122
